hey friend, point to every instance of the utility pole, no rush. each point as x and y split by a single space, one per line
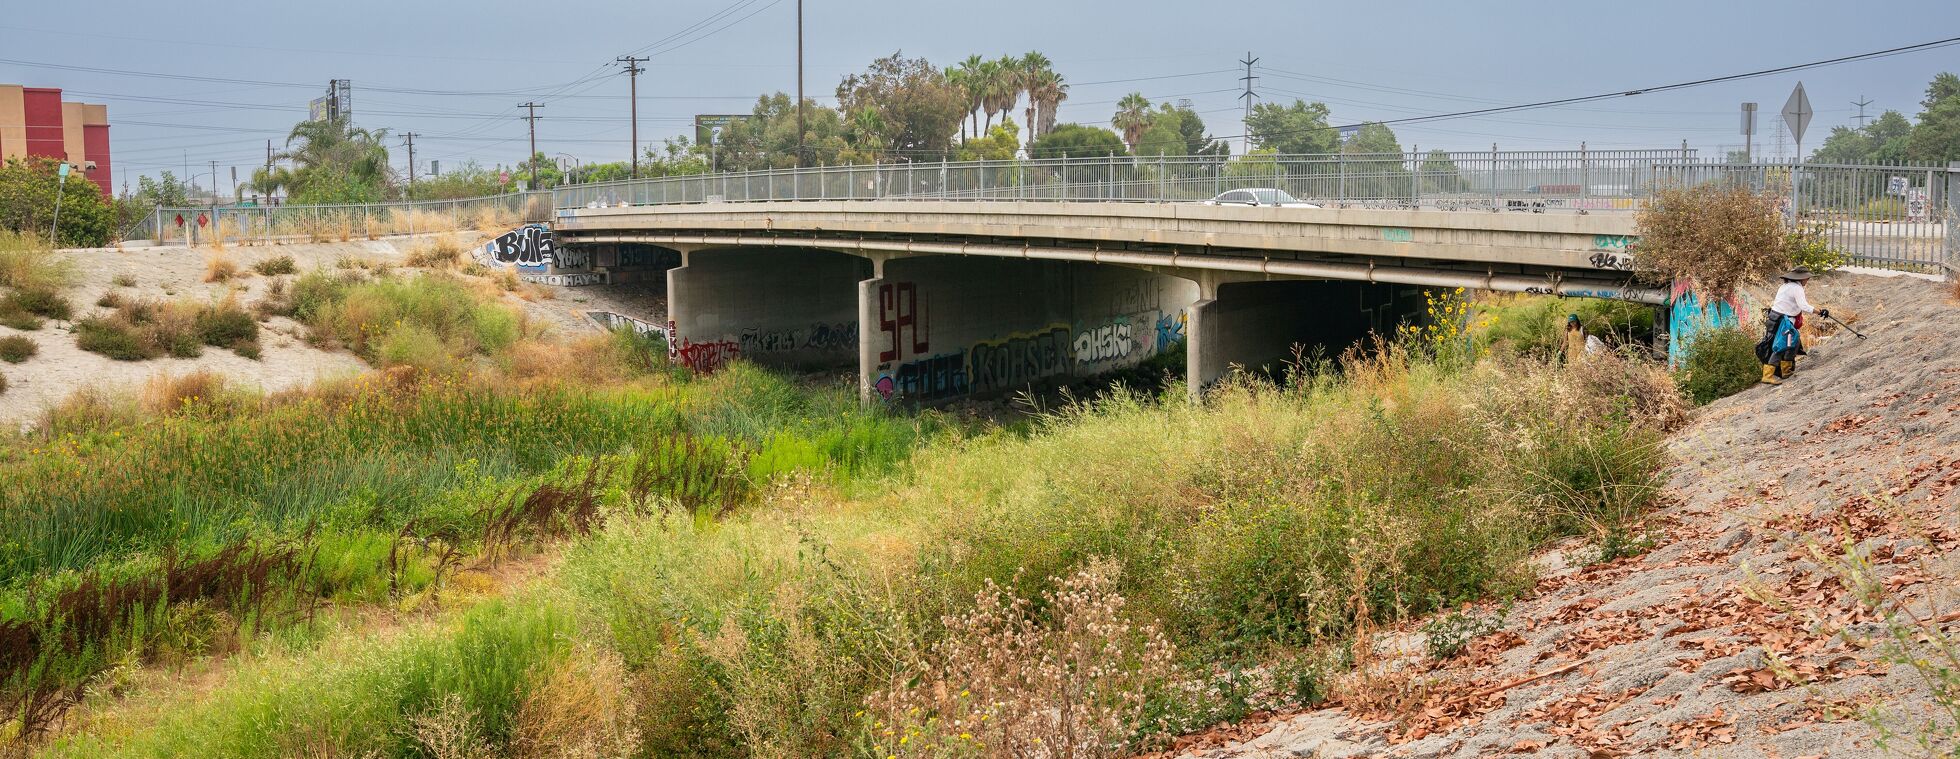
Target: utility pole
1248 96
410 137
1861 102
267 200
799 84
531 157
633 75
214 184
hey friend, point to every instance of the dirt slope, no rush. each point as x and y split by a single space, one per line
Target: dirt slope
1668 653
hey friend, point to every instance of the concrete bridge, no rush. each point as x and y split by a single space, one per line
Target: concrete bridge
932 300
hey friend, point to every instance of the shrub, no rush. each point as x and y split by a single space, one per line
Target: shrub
1810 246
1448 635
18 319
275 266
1719 363
16 348
39 301
443 310
3 384
1718 235
1887 208
115 338
219 267
438 253
225 325
27 261
124 280
415 346
249 349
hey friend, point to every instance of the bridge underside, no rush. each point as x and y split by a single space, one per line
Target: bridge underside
927 329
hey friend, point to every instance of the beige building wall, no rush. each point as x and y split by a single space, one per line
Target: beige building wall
71 132
13 123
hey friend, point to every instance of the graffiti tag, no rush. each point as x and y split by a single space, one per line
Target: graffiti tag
1105 343
1019 360
1398 234
706 357
927 379
899 317
1610 260
1170 329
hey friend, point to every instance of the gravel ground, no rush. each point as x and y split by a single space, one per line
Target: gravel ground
1668 654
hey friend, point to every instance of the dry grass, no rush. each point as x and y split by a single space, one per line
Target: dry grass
441 252
1008 681
200 392
587 360
219 267
493 220
582 708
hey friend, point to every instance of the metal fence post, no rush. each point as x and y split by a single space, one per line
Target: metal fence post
1585 174
1064 193
1341 162
1415 176
1493 178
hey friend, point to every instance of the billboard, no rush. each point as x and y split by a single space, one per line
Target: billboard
708 127
337 104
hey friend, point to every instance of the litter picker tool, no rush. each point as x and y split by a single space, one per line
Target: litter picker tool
1847 327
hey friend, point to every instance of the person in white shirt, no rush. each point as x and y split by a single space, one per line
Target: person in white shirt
1782 344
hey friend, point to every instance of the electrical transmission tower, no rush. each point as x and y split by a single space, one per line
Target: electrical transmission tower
1248 96
1861 102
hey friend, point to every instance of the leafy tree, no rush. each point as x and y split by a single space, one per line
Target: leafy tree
999 144
1191 127
675 158
768 139
603 172
902 107
27 204
1439 173
1162 138
468 180
1132 117
1377 171
333 162
1077 141
1297 128
1884 139
1936 138
1261 163
164 191
548 174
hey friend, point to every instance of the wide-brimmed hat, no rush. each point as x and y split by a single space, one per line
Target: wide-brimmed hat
1798 274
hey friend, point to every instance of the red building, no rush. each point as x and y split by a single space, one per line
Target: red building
35 123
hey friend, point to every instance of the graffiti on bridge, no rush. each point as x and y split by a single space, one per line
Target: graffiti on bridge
1606 259
902 321
529 248
840 336
705 357
1019 360
927 379
1141 295
1108 342
580 279
611 321
1170 329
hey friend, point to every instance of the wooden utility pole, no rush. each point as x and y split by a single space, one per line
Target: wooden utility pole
799 84
531 157
410 137
633 75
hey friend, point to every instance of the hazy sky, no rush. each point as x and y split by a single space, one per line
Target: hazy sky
1367 60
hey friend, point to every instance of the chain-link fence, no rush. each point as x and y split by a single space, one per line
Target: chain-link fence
328 223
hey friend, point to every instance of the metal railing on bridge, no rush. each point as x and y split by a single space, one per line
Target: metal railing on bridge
1521 180
1894 216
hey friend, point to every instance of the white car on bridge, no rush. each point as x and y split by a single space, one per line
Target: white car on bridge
1258 196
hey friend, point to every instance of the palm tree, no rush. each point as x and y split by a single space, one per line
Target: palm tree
1132 117
333 161
970 76
1003 87
1029 74
1050 91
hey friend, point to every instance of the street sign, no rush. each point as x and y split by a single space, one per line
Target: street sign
201 221
1797 113
1895 186
1916 204
63 171
180 220
1748 119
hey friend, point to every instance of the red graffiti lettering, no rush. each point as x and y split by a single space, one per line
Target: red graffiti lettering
707 357
898 311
